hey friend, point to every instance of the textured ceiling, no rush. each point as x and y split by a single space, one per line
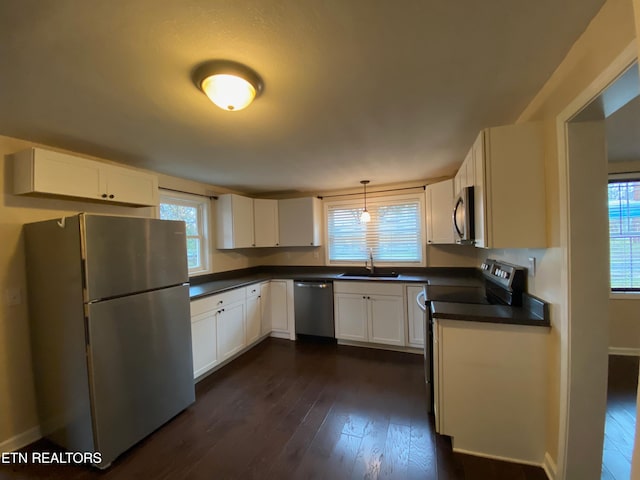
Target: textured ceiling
388 91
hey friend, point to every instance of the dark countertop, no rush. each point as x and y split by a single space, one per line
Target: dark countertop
534 312
216 283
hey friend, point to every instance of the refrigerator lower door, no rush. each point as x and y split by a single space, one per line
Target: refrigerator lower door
125 255
140 366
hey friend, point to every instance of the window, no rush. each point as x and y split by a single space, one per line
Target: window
624 233
194 211
394 234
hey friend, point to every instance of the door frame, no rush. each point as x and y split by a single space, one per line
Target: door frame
571 383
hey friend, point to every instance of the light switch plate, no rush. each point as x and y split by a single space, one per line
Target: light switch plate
532 266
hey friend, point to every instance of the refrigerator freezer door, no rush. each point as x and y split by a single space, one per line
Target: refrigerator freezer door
140 365
125 255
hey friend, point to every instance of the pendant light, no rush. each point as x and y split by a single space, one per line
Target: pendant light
229 85
365 216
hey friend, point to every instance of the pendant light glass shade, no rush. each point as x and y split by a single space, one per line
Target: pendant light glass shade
229 92
229 85
365 216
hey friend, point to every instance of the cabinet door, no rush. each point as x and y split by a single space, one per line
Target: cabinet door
234 220
351 316
415 317
265 308
469 167
265 222
253 323
279 307
59 174
479 192
129 186
203 341
386 319
299 222
230 330
439 209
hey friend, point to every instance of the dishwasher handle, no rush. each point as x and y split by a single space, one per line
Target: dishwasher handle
311 285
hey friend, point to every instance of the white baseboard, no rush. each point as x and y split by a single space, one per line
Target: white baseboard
631 352
498 457
550 467
21 440
284 335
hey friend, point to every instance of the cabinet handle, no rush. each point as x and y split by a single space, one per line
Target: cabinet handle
364 297
111 196
221 301
259 296
277 244
253 244
311 243
104 195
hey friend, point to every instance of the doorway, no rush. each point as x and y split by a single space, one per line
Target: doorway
582 140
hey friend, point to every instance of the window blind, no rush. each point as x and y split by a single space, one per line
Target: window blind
394 234
624 234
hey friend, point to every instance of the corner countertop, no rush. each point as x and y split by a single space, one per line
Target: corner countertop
216 283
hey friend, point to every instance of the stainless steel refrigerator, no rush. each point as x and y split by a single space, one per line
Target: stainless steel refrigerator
110 328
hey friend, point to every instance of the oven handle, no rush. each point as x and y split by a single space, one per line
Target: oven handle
421 304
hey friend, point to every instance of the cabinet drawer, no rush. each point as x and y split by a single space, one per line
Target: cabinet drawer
369 288
217 301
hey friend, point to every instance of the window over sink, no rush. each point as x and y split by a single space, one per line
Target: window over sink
194 211
394 235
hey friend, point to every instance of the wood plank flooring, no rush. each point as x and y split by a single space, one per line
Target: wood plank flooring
620 423
298 410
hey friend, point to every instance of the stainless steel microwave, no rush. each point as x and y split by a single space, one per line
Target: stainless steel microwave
463 217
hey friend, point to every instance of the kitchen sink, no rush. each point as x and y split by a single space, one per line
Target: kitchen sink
371 275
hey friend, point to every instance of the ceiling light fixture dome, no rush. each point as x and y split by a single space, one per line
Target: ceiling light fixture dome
230 85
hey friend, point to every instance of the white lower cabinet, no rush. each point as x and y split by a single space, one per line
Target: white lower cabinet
415 317
203 341
253 324
225 324
351 316
230 330
490 388
370 312
279 300
265 308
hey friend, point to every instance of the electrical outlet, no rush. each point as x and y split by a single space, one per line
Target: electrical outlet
13 296
532 266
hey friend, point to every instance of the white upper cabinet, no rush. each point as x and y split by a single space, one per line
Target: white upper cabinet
300 220
439 202
509 188
466 174
265 222
234 221
44 172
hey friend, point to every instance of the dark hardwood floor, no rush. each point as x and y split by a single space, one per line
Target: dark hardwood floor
620 423
293 410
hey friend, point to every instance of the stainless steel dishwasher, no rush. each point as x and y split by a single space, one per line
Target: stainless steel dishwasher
313 303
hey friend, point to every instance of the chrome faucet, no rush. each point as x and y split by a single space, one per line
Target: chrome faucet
371 268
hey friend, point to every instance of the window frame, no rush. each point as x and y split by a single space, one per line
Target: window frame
631 292
373 199
203 206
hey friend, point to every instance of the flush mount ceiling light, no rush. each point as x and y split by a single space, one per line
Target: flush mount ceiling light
365 216
230 85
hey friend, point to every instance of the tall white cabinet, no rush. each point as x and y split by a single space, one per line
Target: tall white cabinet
439 207
265 223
